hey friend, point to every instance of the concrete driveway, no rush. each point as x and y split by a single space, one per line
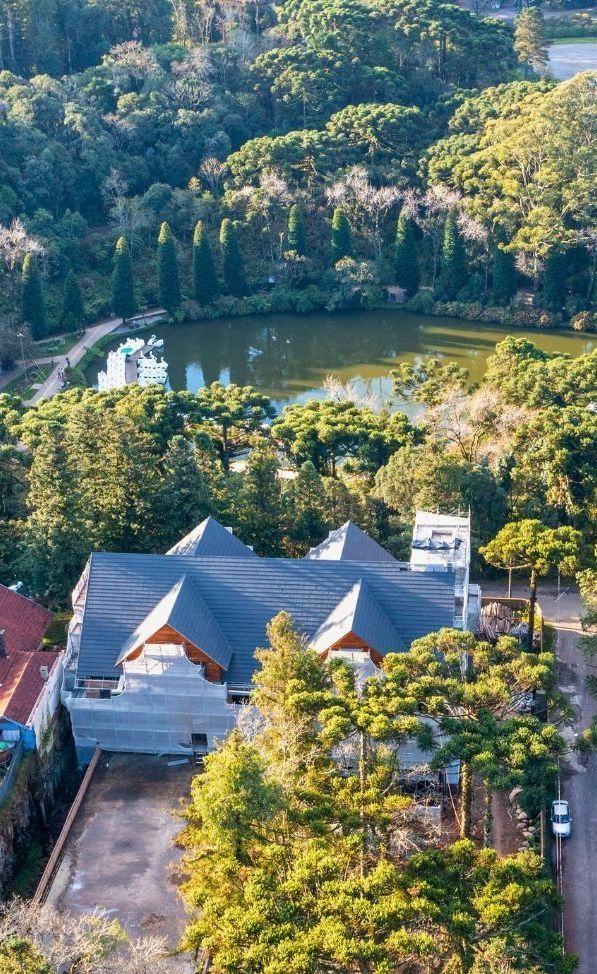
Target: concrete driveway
120 855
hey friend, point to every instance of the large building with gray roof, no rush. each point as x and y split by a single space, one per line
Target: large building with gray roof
162 647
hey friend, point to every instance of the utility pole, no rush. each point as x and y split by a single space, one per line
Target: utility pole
20 336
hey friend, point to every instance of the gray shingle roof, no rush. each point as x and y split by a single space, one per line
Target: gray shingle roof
211 538
349 543
183 609
359 613
243 596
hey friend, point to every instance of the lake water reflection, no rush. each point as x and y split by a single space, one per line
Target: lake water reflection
289 356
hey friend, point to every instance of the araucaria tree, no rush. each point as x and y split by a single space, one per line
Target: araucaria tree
33 312
453 268
124 304
73 309
341 236
168 278
301 843
531 546
232 261
406 266
205 282
295 232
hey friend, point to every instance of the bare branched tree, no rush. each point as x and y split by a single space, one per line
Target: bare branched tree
15 242
349 392
478 426
430 212
212 173
88 943
369 206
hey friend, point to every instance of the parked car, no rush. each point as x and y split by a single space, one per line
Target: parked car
561 823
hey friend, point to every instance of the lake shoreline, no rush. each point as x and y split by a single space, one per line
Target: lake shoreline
289 356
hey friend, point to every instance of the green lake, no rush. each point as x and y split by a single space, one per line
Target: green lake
289 356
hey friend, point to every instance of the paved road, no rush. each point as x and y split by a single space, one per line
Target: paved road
579 786
579 776
53 383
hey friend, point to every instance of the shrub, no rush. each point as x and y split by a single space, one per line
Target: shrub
421 304
585 321
474 289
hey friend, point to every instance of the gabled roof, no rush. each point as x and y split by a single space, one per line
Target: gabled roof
349 543
209 539
24 621
242 595
21 683
360 614
183 610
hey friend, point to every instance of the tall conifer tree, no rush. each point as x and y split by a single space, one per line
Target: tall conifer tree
341 236
454 269
261 501
504 277
406 267
529 40
553 294
233 265
73 309
33 312
295 233
205 283
168 277
124 304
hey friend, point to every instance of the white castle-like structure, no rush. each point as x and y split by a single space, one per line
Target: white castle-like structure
133 361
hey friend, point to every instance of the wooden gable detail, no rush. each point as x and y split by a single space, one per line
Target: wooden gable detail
352 641
166 634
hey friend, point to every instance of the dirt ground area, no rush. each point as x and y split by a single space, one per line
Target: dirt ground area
120 856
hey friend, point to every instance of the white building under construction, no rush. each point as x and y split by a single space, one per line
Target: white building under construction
161 647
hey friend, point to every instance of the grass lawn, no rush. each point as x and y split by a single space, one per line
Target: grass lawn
573 40
23 384
59 345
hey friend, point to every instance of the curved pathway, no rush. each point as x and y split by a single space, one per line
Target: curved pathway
53 383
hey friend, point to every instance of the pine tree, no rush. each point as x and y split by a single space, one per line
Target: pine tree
304 504
185 494
55 539
529 40
233 265
260 501
124 304
295 232
504 277
168 278
553 294
341 236
205 283
454 270
73 309
33 312
406 266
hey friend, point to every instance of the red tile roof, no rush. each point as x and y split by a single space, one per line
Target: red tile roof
24 621
21 683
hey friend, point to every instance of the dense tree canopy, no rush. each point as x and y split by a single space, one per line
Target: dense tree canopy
304 852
